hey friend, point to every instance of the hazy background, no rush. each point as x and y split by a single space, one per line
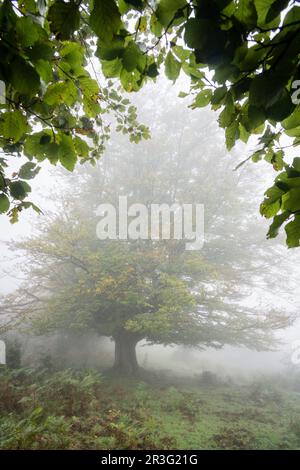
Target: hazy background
229 360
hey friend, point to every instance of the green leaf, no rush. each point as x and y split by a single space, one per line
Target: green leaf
197 33
277 160
272 203
293 120
67 154
256 117
111 68
14 215
81 147
133 58
28 171
41 51
202 99
45 139
13 125
270 209
207 38
262 8
27 205
72 62
275 9
244 134
28 31
105 19
89 86
61 92
19 189
265 89
218 95
282 108
232 134
64 19
286 183
246 12
167 9
155 26
91 106
131 81
276 224
293 232
181 53
293 132
172 67
110 51
4 203
296 164
2 182
152 71
39 145
44 69
228 115
291 200
24 77
135 3
90 90
193 72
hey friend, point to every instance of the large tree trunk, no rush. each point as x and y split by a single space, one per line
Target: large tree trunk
125 354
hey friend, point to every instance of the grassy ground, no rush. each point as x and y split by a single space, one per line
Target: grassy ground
70 410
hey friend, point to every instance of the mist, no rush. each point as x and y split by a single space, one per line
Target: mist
149 230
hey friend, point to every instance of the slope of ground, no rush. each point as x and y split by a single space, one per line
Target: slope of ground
83 410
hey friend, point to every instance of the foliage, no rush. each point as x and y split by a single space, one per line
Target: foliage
75 389
35 395
54 105
35 432
241 57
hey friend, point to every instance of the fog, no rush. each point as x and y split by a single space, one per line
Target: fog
167 115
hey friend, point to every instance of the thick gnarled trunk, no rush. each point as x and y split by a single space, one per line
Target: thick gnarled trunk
125 354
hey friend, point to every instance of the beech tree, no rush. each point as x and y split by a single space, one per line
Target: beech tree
131 290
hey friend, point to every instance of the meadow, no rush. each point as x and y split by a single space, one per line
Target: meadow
86 410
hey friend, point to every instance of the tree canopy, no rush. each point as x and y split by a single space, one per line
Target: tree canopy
242 57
